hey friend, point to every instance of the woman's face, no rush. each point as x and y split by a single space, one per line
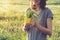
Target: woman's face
34 4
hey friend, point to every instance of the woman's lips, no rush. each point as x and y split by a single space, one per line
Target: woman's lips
34 8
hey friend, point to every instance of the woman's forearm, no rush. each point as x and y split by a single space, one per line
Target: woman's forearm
44 30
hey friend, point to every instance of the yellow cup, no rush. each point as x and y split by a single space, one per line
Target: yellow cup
27 20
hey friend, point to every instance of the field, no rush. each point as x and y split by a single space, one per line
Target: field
12 19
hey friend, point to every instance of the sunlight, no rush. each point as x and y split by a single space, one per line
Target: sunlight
7 5
4 5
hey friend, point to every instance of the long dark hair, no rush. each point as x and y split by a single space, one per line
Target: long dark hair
42 4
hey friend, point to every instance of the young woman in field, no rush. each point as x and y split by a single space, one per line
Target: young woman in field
39 31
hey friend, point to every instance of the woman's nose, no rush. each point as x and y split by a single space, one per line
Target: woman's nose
34 4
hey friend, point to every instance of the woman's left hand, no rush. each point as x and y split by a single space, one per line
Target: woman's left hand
32 22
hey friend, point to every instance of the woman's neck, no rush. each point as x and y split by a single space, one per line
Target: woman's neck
38 10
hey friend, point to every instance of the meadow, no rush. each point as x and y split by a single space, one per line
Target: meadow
12 20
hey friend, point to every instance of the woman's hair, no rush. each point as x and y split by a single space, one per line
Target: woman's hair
42 4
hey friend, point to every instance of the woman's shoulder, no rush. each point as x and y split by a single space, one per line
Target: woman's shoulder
49 13
47 9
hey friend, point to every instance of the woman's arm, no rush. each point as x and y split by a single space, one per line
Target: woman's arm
47 30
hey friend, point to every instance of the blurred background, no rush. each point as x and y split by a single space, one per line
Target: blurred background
12 19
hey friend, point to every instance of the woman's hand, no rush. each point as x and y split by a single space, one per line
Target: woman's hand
33 22
27 26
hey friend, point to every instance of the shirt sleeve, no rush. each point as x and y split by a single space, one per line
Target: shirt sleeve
50 14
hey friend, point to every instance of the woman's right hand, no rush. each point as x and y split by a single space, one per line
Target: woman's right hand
27 26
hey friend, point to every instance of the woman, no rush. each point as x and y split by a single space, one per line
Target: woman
39 31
